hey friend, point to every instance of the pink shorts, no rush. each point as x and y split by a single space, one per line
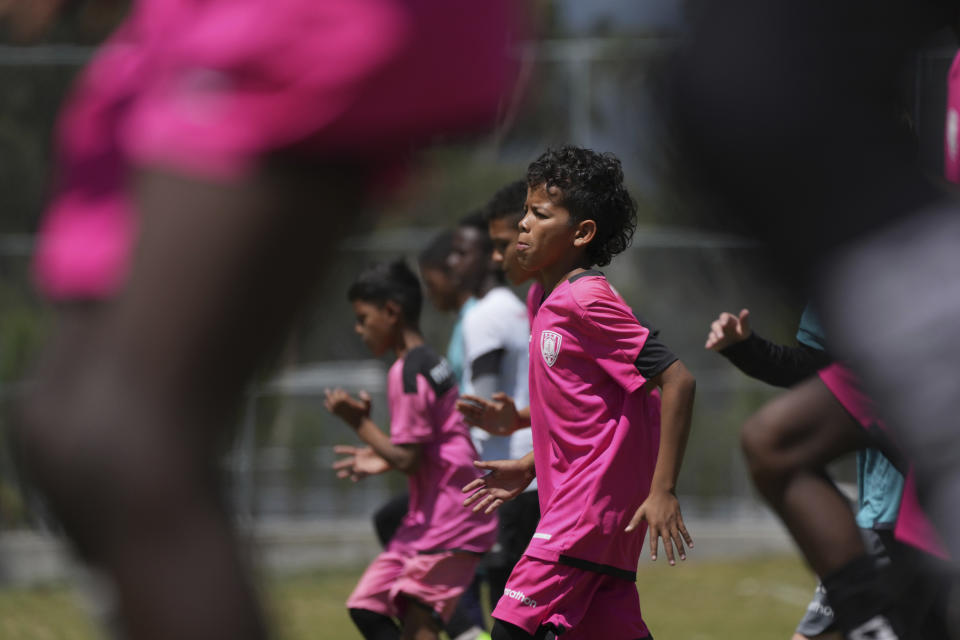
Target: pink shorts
913 526
583 603
210 88
433 579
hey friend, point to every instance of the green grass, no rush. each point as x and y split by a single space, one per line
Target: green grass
760 599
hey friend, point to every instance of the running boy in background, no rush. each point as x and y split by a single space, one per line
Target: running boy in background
497 413
606 463
447 295
431 558
880 571
496 338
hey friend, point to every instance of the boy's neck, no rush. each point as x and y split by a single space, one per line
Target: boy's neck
407 339
462 298
561 270
486 286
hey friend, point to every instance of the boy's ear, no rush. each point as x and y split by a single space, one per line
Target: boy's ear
393 310
585 233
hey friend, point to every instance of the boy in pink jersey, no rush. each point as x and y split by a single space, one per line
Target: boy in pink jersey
432 556
211 158
605 456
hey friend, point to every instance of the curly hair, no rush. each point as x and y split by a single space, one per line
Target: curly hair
591 188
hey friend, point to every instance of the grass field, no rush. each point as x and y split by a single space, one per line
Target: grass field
758 599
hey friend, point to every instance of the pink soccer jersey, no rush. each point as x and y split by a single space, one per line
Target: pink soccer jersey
596 430
422 392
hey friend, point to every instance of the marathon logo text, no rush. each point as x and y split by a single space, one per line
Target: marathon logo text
518 595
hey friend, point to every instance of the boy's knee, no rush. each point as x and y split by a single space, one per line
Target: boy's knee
758 440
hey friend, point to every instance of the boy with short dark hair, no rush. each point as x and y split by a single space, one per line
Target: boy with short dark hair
432 556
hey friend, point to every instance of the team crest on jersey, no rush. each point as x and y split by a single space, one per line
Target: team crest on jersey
550 346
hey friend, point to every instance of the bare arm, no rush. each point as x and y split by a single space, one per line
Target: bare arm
661 509
356 413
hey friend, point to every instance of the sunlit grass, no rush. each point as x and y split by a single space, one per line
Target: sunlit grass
760 599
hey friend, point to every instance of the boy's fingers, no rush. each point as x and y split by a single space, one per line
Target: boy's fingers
494 506
473 497
678 543
473 485
636 519
346 449
483 503
686 534
654 543
668 548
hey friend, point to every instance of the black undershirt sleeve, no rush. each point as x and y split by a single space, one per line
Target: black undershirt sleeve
654 357
775 364
485 373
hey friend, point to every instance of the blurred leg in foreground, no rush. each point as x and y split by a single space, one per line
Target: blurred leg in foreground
138 395
212 157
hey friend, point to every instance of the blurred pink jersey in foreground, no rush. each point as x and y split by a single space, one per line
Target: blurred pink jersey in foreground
210 88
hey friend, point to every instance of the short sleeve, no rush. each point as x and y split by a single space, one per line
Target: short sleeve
620 344
481 334
411 418
488 326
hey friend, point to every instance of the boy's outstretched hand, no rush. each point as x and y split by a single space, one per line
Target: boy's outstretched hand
351 410
728 329
498 415
359 462
505 481
661 510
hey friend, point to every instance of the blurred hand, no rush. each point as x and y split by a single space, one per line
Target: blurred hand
661 511
507 479
351 410
359 462
27 20
728 329
498 415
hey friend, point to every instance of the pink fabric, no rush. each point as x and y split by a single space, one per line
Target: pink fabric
209 88
436 580
586 604
951 147
913 526
595 431
436 518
